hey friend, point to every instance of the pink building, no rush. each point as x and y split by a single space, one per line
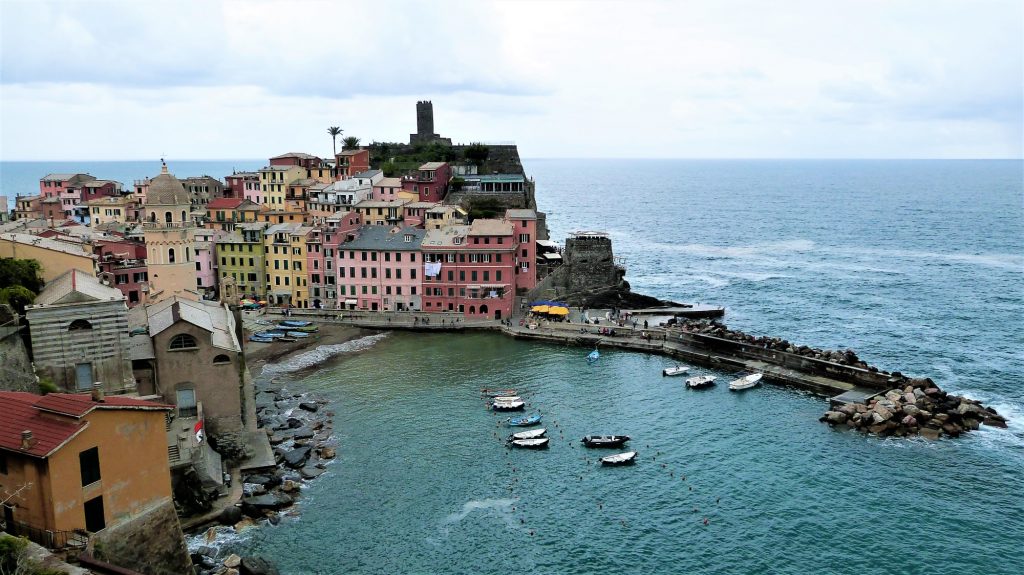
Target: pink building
53 185
351 162
322 245
524 224
430 181
379 269
122 264
470 269
386 190
206 269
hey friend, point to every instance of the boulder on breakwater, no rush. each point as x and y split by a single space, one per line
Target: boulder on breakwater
914 406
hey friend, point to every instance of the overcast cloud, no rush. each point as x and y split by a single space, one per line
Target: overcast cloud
724 79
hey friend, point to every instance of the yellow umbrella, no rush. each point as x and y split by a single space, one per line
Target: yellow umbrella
540 309
558 310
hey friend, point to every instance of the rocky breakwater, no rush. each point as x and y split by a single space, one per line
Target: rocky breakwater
717 329
914 406
299 428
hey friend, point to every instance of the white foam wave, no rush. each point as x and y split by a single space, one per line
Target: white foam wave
787 246
996 260
220 537
502 505
320 354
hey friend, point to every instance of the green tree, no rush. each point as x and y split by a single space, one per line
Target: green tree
18 297
350 143
334 131
25 273
477 153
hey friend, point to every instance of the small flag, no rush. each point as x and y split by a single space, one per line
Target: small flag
198 430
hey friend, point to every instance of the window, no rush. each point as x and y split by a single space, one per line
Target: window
89 462
94 520
182 341
79 324
170 255
222 358
497 276
3 463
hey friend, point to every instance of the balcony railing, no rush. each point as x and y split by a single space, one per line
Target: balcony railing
46 537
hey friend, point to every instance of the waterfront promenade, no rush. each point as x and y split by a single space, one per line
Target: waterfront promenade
579 330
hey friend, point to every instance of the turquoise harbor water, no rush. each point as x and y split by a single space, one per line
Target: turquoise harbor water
917 265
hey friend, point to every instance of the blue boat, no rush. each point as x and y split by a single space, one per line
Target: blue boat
260 338
270 333
295 323
593 356
524 420
298 334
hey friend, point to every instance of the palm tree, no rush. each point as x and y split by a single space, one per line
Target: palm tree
350 143
334 131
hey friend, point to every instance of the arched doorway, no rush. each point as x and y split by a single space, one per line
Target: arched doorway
472 310
483 309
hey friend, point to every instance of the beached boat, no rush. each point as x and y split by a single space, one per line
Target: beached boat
295 323
524 420
497 392
270 333
305 328
287 339
701 381
508 405
536 443
745 382
260 338
605 440
619 458
531 434
297 334
675 370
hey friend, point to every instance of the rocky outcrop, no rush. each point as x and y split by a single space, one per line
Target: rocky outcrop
914 407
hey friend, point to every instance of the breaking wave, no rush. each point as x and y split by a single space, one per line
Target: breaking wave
321 354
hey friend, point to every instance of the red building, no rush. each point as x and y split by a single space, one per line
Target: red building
239 183
470 269
524 224
351 162
307 161
122 265
430 181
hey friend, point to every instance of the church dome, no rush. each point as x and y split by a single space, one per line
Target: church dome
166 190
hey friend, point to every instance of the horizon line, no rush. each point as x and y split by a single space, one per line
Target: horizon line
689 158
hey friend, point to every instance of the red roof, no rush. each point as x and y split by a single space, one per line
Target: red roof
224 203
24 411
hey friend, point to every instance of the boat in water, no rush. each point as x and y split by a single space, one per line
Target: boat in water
619 458
675 370
506 398
605 440
745 382
531 434
593 356
497 392
524 420
508 405
536 443
701 381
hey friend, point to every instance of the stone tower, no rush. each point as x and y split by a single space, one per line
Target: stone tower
425 119
170 239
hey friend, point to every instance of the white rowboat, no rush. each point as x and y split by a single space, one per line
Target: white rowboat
535 443
531 434
619 458
746 382
675 370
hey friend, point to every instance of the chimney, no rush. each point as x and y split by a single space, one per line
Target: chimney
26 440
97 392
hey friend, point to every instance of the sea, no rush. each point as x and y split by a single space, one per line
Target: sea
918 266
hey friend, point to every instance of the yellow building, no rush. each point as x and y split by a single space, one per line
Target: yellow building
87 465
116 209
54 256
285 248
274 181
381 213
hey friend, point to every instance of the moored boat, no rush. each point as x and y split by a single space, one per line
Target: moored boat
701 381
745 382
593 356
508 405
535 443
675 370
605 440
531 434
506 398
619 458
497 392
524 420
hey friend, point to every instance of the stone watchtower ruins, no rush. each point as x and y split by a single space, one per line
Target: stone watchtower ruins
425 125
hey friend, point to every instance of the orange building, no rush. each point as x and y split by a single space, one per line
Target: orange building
82 463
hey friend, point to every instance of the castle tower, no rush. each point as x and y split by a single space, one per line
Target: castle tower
170 239
425 120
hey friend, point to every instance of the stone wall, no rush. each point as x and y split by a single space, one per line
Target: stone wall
589 263
16 372
151 542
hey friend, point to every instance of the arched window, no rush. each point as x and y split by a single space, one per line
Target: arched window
167 217
79 324
183 341
184 218
170 255
483 308
472 309
221 359
152 217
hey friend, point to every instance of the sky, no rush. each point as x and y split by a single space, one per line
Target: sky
213 79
